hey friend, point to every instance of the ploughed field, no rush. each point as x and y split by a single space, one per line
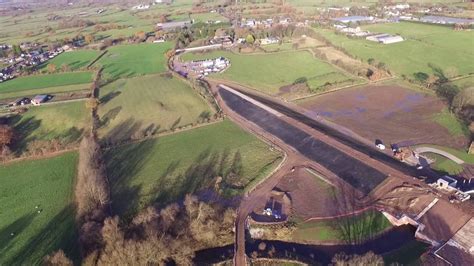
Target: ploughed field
391 113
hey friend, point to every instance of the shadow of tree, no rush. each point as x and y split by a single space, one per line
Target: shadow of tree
23 128
59 233
200 176
123 131
122 164
110 115
109 96
15 228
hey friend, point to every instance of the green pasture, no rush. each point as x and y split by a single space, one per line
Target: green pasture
37 216
361 226
269 72
62 121
74 60
133 60
163 170
149 103
452 123
152 102
49 90
461 154
439 46
29 83
444 164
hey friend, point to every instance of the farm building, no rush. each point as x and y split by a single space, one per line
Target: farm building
446 20
269 40
174 25
353 19
385 38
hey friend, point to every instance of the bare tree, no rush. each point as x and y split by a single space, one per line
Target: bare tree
58 258
369 258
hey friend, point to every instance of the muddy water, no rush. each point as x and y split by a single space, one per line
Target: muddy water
311 254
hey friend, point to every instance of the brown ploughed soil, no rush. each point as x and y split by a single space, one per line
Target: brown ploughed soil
391 113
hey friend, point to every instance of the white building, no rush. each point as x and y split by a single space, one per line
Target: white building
269 40
391 39
141 7
385 38
447 182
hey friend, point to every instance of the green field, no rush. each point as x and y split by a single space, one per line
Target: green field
150 102
463 155
444 164
64 121
269 72
133 60
449 120
48 184
363 226
424 44
49 90
165 169
44 81
74 60
465 82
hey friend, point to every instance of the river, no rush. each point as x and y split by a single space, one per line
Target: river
311 254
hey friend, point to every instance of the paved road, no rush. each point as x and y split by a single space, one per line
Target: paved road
440 152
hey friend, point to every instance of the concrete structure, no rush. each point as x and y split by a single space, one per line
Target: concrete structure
459 250
447 182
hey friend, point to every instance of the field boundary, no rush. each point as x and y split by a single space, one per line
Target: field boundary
96 59
38 157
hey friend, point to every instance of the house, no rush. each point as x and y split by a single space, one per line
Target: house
447 182
39 99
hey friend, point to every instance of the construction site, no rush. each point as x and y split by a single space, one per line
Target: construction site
392 181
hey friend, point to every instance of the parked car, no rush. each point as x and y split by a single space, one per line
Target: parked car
379 144
21 101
